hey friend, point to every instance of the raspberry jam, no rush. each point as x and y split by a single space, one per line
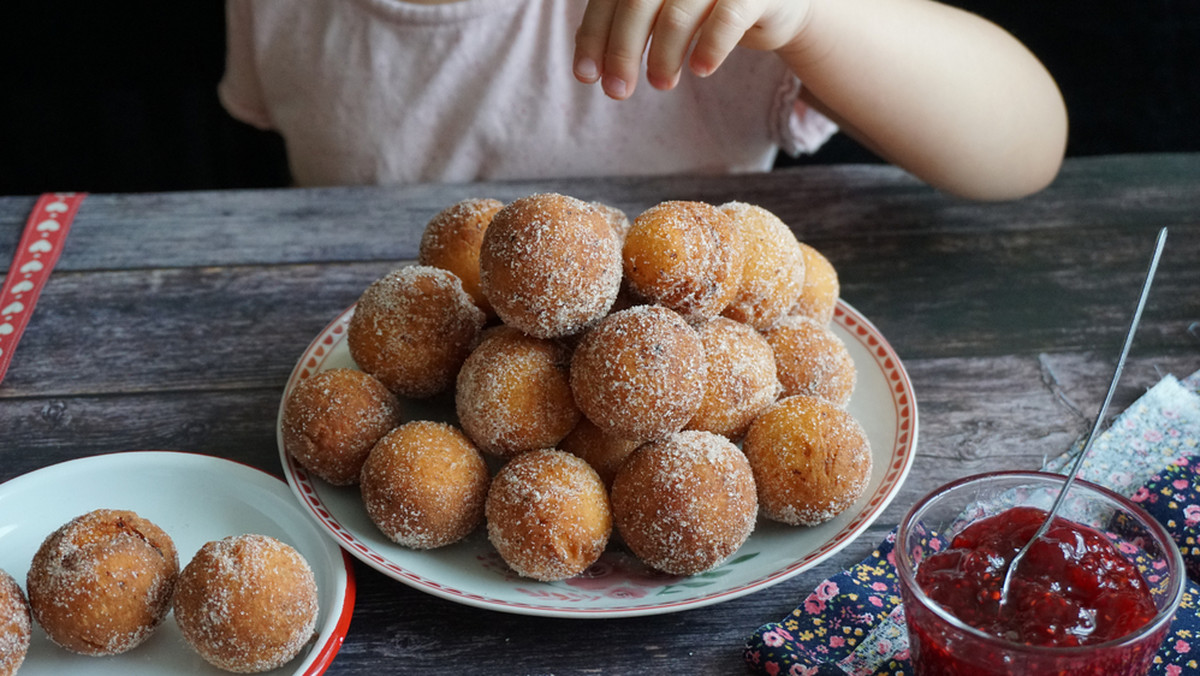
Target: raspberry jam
1076 605
1073 588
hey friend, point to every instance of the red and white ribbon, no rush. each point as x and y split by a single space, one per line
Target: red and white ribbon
37 252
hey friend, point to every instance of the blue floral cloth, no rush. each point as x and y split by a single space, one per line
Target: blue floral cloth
853 623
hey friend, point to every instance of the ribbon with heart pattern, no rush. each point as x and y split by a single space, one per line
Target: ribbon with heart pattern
37 252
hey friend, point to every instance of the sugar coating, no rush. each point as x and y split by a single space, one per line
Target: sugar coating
16 625
548 515
773 274
424 485
513 394
247 603
604 452
741 378
617 219
102 583
819 295
640 374
812 360
451 241
550 265
413 328
811 460
332 419
686 503
686 256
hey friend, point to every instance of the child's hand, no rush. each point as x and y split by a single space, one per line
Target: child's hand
614 34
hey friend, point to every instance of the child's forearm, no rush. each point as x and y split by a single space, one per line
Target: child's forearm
940 92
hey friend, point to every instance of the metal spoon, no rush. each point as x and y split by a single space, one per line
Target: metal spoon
1137 318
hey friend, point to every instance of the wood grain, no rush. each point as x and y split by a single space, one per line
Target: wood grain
174 320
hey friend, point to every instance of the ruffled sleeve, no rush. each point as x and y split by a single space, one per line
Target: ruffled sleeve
799 128
240 91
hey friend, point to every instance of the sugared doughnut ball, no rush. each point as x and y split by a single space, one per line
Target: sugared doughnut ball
684 255
617 219
741 378
332 419
247 603
548 515
497 330
16 625
811 359
424 485
811 460
550 265
413 328
773 272
819 295
685 503
102 583
640 373
451 241
604 452
514 394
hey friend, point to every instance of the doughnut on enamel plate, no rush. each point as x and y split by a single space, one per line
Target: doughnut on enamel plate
194 498
618 585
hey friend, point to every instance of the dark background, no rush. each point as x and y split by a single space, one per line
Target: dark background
121 97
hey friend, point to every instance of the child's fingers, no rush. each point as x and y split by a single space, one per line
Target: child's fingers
630 32
676 25
591 39
722 30
613 36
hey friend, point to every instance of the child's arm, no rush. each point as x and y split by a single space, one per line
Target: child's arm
941 92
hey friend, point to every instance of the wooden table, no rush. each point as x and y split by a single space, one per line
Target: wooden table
173 321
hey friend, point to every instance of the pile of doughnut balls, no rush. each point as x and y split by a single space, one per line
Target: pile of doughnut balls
105 581
607 370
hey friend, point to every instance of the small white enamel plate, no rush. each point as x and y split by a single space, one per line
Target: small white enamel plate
618 585
195 499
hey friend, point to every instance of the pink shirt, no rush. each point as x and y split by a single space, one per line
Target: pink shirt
382 91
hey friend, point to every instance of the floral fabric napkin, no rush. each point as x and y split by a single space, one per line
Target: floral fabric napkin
853 623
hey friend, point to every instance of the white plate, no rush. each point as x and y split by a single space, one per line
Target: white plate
195 499
618 585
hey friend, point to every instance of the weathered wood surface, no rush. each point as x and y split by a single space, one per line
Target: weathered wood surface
173 321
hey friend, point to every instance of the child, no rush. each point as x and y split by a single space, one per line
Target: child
384 91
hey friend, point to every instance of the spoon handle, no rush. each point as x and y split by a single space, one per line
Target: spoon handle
1112 387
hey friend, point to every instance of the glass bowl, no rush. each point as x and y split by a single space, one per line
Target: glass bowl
941 643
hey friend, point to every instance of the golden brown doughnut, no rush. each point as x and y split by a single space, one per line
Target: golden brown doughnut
497 330
513 394
684 255
102 582
413 328
819 295
247 603
332 419
685 503
741 378
550 265
424 485
548 515
811 460
773 273
16 625
811 359
616 218
640 373
604 452
451 241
